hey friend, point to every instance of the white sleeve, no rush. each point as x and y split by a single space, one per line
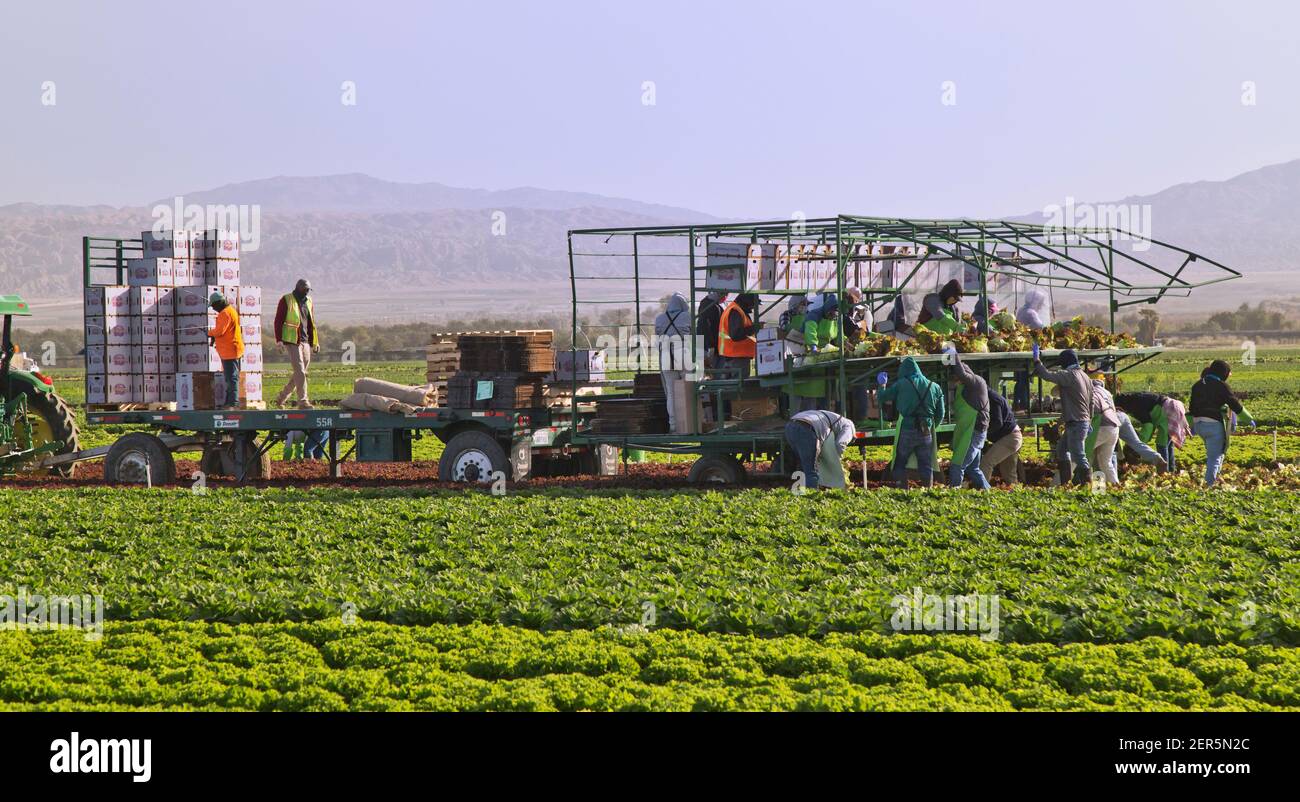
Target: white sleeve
844 433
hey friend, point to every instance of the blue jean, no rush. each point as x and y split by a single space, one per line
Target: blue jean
803 440
317 441
1020 395
910 442
1074 444
1216 445
968 467
1166 451
230 370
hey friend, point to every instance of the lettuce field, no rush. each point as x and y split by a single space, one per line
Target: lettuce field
412 596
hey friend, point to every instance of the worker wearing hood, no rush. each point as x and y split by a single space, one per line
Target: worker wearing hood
707 320
673 330
1036 311
919 408
1076 412
939 311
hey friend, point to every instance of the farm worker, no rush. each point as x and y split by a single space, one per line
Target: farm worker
1036 314
984 309
792 325
1129 437
1004 441
228 338
317 441
707 319
857 314
919 407
939 312
1157 413
970 412
820 329
673 328
1103 437
294 445
1076 412
1212 408
295 329
819 438
736 329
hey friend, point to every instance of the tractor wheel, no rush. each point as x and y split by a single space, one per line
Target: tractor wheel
52 420
725 470
139 458
472 457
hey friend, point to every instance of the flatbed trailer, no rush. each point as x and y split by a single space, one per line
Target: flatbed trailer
892 261
481 445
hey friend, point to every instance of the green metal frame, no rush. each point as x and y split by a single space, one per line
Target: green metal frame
1069 258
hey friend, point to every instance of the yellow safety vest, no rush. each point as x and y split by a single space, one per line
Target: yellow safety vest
293 321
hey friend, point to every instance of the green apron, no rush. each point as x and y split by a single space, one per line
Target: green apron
1159 426
948 324
819 334
830 470
963 416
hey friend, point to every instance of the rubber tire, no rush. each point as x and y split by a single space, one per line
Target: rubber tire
58 416
473 441
725 470
161 464
220 461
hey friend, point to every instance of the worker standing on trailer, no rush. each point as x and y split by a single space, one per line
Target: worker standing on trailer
970 411
708 318
673 328
1004 441
1076 413
228 338
939 312
919 408
1036 313
1212 407
737 344
819 438
295 329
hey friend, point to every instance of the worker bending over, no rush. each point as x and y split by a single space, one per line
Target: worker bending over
1004 441
919 407
970 412
819 438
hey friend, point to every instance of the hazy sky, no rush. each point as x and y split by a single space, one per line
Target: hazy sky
760 110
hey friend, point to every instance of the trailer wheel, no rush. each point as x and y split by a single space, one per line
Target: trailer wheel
137 458
222 460
726 470
472 457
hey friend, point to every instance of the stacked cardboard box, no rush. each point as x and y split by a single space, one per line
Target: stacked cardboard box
143 337
501 370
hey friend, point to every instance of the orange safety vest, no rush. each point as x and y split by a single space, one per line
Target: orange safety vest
746 348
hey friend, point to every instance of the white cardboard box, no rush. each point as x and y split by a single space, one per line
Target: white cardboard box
183 390
166 302
166 330
198 248
148 362
250 386
590 365
197 358
151 272
250 301
192 300
95 388
771 357
95 330
117 330
252 331
95 360
221 244
222 272
171 244
119 359
191 330
167 361
144 300
118 389
741 267
150 388
167 387
149 334
252 357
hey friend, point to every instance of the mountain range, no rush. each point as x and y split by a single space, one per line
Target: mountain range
384 251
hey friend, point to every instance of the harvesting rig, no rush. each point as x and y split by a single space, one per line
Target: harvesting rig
34 420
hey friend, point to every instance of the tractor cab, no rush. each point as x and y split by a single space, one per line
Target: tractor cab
34 421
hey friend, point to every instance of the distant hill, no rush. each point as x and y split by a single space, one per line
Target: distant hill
386 251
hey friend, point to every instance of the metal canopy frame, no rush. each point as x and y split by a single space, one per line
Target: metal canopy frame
1088 259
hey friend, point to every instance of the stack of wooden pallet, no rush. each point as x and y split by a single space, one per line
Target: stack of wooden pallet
501 369
441 361
630 415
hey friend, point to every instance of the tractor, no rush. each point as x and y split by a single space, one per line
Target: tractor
34 421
